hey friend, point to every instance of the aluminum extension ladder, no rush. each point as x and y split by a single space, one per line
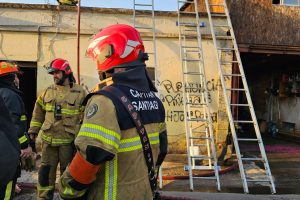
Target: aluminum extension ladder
140 16
199 129
223 33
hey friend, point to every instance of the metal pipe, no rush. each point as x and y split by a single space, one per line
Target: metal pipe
78 42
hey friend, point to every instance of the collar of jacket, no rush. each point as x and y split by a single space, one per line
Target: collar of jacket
136 78
9 84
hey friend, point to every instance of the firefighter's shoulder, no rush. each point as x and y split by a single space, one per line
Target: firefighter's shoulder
99 106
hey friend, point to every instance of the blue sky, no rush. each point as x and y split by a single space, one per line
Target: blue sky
167 5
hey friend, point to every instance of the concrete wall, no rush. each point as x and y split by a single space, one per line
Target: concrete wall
40 33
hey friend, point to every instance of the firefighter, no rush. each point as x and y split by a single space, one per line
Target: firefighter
12 96
9 152
109 162
56 118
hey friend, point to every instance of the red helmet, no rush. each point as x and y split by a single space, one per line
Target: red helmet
59 64
115 45
8 68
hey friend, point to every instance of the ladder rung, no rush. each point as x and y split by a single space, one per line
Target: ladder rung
258 180
200 138
205 177
194 73
191 60
247 140
226 49
147 40
235 89
196 104
190 47
232 75
141 15
192 51
187 24
197 120
223 37
189 36
199 145
218 15
237 104
181 1
217 5
221 25
252 159
202 157
143 27
242 121
141 4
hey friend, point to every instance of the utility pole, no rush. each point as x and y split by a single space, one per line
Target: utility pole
78 42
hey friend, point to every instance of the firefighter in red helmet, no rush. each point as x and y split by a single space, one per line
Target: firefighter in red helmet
110 159
56 118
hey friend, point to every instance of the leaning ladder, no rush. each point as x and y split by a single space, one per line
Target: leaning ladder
199 129
223 34
140 16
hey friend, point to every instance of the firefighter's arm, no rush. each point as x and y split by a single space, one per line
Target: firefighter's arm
97 141
82 107
163 144
15 108
38 117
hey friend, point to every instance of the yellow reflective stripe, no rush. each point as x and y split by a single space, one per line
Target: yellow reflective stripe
111 178
99 132
70 112
36 124
68 191
46 138
23 118
40 102
8 191
52 140
45 188
22 139
50 107
61 141
82 108
134 143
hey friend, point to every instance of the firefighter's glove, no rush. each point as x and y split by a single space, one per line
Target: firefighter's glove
28 163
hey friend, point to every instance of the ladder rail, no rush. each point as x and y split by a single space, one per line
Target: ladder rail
184 107
153 30
253 115
208 104
204 98
246 190
247 93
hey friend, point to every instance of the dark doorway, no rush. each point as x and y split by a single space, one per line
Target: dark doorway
28 81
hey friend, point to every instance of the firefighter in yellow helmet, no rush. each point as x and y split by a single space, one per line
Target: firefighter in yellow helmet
110 162
56 118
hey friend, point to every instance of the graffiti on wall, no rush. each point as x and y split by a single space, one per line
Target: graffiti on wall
172 98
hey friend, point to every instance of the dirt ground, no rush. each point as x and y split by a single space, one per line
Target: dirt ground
284 160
